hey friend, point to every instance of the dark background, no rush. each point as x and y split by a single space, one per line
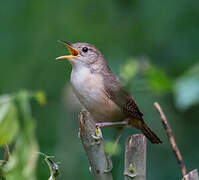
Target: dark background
166 33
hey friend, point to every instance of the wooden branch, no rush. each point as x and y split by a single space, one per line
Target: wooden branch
135 158
193 175
93 143
171 139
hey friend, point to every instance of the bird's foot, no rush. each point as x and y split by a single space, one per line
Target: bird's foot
112 124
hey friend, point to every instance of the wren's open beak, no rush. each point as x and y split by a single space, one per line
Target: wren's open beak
73 52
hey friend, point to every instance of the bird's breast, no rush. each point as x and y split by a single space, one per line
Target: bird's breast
90 90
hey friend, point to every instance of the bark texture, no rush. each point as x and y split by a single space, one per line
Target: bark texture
193 175
135 158
93 144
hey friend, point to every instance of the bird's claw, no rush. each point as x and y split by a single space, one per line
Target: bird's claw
96 137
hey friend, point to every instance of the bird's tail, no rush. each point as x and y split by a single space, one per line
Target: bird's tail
151 136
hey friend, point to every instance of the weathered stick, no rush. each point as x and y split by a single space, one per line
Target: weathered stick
193 175
94 146
171 139
135 158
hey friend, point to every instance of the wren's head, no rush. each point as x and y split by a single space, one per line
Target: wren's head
82 54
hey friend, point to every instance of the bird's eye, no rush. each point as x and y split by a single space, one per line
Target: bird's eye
84 49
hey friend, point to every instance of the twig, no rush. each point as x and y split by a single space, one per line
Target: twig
52 166
94 146
135 158
7 153
4 161
193 175
171 139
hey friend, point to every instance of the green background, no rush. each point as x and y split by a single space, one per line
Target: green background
165 32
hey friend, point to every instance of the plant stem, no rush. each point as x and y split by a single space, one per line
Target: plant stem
171 139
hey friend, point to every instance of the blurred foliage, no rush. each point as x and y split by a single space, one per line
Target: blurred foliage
8 120
112 148
129 69
40 97
187 92
164 32
18 128
156 79
186 89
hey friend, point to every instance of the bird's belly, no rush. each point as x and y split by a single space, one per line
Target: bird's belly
100 108
91 93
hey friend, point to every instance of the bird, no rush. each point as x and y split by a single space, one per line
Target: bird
100 91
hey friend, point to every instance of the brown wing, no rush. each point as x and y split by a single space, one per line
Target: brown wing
131 108
117 93
125 102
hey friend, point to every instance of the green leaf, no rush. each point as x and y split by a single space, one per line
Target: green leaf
22 163
158 81
131 169
8 120
16 111
22 101
129 69
112 148
40 97
186 91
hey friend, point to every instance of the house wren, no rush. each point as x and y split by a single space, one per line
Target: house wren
101 92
